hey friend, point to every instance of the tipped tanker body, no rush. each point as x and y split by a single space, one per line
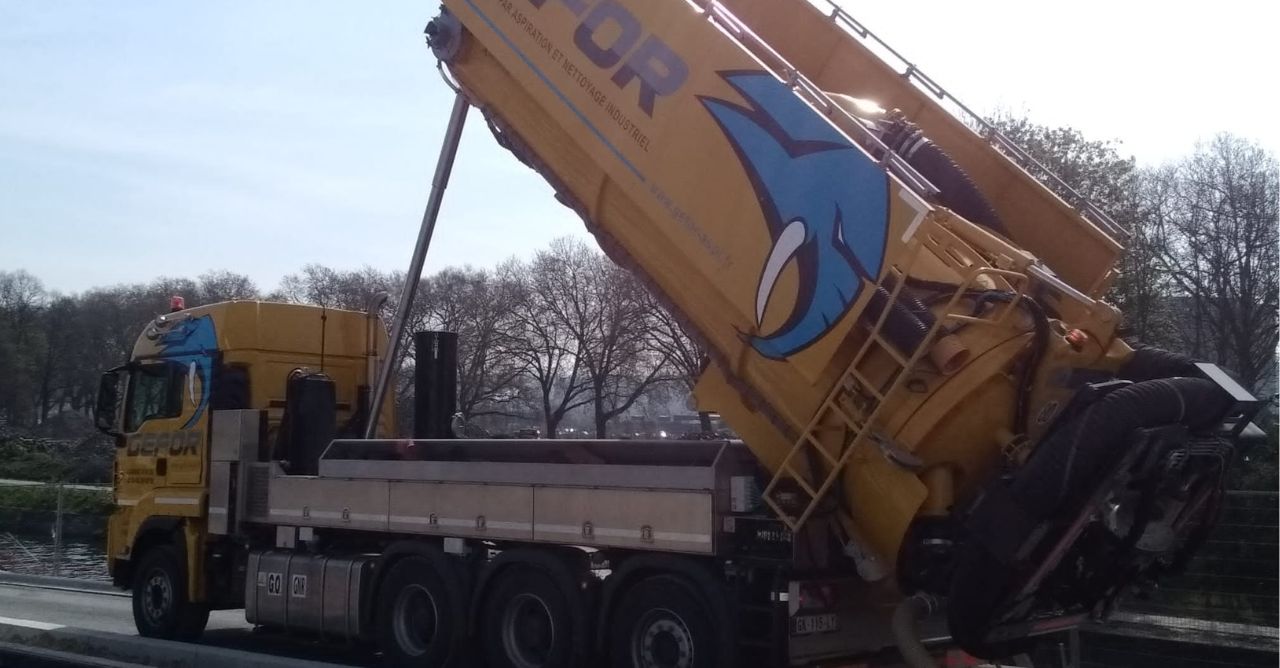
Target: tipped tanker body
895 310
768 224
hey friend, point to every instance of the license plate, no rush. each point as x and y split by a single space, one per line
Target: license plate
806 624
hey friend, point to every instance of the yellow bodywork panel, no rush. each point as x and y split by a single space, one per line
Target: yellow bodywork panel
768 220
1038 220
162 466
663 183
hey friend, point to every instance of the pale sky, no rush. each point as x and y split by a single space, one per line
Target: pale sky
147 138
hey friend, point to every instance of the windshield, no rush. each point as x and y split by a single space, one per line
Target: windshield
155 392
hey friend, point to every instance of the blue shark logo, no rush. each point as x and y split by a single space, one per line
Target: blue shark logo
825 201
192 343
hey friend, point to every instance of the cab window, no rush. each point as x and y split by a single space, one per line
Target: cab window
230 387
155 391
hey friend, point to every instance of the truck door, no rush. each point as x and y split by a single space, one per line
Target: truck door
166 421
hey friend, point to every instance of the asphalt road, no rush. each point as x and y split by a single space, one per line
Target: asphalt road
113 613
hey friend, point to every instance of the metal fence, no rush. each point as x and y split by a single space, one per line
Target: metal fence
1234 577
1221 612
52 529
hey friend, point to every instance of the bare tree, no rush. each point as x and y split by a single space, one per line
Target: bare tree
621 363
1142 289
545 346
332 288
21 298
685 356
61 334
222 285
314 284
22 346
158 292
1214 215
1093 168
478 305
603 308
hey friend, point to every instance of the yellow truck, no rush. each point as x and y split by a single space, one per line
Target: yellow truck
946 446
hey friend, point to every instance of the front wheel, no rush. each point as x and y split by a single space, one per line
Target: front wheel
160 605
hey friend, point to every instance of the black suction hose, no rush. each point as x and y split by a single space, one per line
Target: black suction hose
1027 376
1077 452
957 191
1062 470
1149 363
908 321
932 286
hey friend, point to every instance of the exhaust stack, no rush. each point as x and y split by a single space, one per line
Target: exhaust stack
435 379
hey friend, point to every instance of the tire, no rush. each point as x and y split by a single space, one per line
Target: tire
528 621
419 616
982 590
661 622
194 622
160 605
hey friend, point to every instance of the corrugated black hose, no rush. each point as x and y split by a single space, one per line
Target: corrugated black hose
956 190
1148 363
1027 375
908 321
1064 468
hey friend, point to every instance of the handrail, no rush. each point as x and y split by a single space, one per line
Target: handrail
1081 204
803 86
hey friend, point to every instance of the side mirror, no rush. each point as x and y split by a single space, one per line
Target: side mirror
107 410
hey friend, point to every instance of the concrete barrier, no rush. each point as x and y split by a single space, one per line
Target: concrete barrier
35 657
67 584
123 649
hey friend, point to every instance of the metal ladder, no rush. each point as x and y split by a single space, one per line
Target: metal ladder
857 401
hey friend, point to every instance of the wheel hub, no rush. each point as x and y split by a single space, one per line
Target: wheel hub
528 631
662 640
157 599
414 619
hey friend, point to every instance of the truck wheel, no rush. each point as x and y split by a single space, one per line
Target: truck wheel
661 622
160 605
527 621
419 616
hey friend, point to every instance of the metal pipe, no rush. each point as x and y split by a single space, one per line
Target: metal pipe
906 633
372 319
444 166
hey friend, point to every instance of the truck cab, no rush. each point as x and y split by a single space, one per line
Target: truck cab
187 366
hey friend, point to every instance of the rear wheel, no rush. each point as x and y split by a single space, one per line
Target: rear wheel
528 622
419 616
661 622
160 605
